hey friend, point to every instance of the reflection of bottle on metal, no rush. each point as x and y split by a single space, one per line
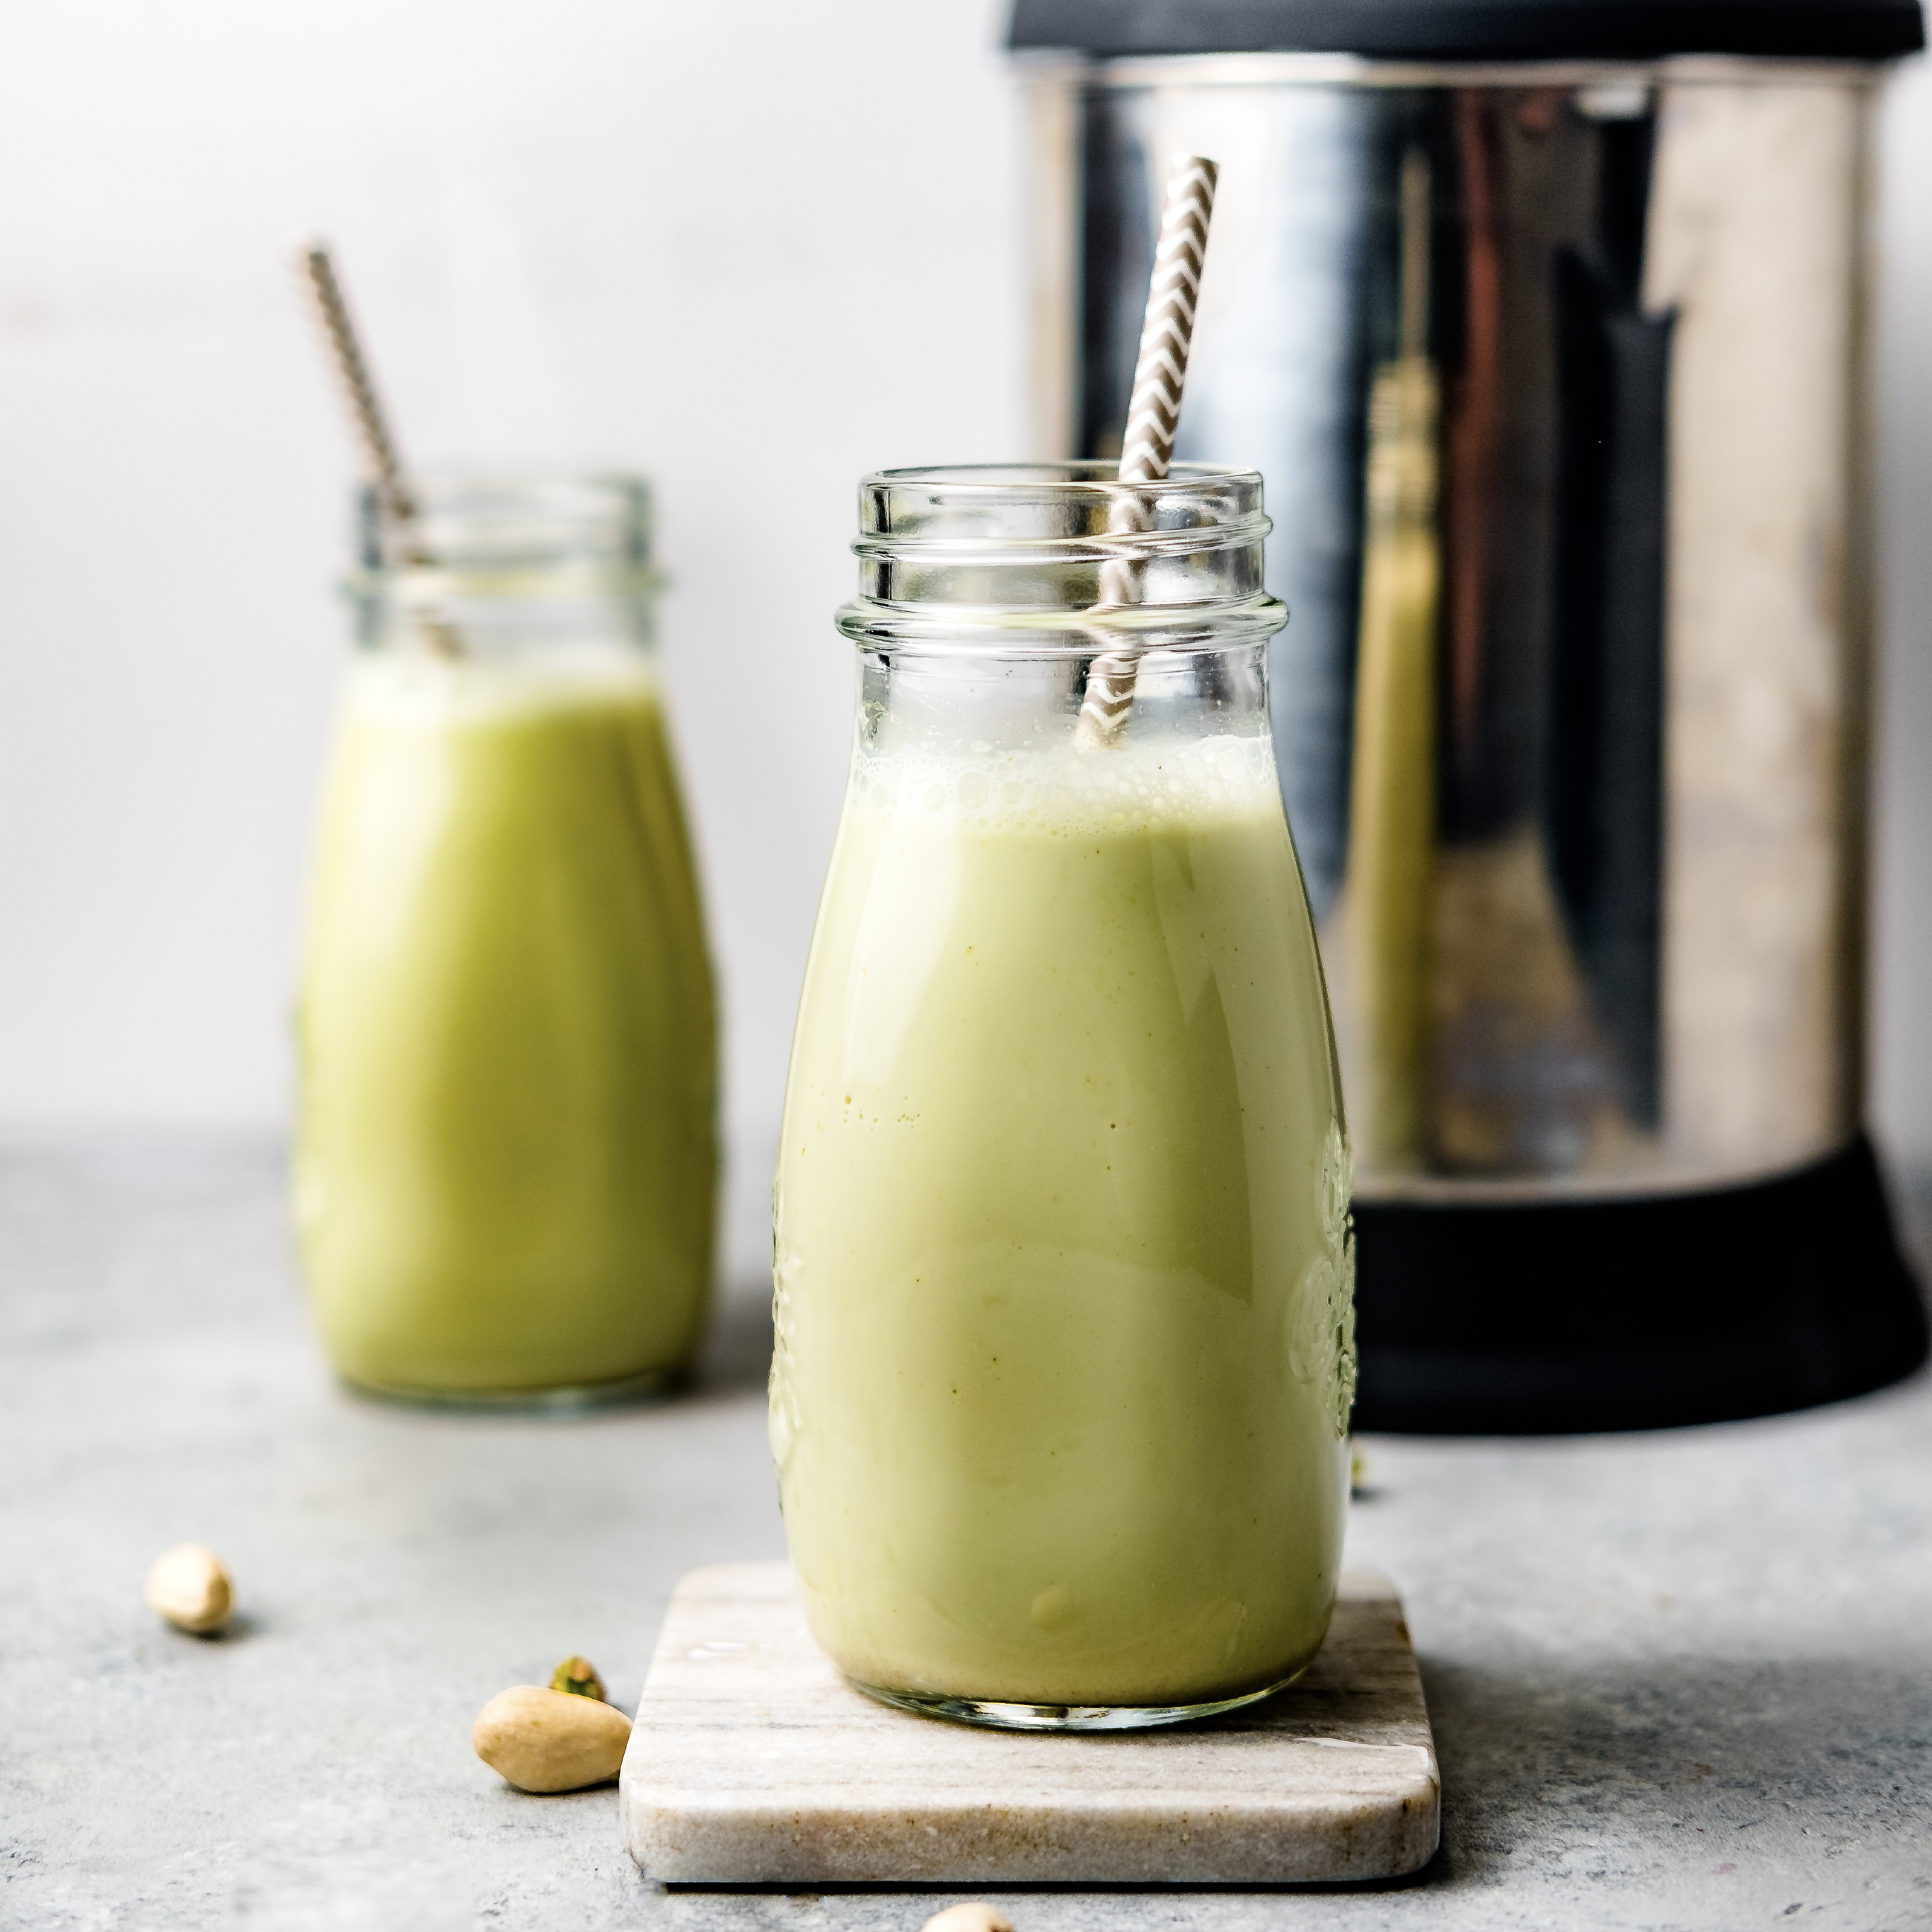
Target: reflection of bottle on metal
1384 914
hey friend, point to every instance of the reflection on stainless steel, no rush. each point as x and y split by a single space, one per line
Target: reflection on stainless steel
1552 376
1378 939
1754 214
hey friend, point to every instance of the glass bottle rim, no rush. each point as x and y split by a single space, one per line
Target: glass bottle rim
890 500
504 558
504 530
1061 557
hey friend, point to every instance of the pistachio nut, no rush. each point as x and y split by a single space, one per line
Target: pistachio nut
544 1740
578 1675
188 1586
977 1917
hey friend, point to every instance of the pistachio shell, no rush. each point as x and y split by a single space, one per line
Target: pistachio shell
544 1740
977 1917
188 1586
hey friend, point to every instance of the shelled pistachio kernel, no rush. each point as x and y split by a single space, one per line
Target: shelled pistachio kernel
189 1587
578 1676
977 1917
543 1740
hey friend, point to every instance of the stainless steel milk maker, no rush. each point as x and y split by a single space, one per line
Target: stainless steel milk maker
1545 324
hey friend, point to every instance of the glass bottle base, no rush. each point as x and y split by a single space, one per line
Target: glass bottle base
1067 1717
640 1391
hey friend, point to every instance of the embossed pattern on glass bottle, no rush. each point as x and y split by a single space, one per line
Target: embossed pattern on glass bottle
1322 1344
783 1420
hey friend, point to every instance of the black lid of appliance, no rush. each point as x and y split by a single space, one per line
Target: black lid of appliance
1477 29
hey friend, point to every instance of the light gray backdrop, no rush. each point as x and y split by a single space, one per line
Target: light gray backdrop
752 249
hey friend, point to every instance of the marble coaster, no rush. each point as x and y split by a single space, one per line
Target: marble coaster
754 1763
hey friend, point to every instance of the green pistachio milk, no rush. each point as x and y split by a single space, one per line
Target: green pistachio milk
1063 1277
507 1156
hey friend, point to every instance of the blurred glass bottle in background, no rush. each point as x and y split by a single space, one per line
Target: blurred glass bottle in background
507 1154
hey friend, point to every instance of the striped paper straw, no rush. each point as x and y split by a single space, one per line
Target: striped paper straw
379 455
1153 413
381 459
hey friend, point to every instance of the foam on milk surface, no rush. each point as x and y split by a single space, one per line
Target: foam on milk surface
429 692
1054 788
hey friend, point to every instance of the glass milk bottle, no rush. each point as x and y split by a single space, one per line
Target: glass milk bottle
1064 1270
506 1160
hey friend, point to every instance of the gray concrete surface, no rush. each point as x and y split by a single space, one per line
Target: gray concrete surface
1679 1680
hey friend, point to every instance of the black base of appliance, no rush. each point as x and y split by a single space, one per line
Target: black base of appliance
1564 1318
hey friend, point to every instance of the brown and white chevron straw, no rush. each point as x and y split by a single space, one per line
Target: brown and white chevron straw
381 460
379 455
1153 413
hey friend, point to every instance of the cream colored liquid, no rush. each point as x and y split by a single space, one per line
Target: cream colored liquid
507 1159
1064 1334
